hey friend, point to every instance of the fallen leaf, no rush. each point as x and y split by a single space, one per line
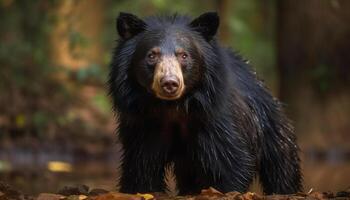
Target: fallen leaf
82 197
280 197
318 195
251 196
211 192
117 196
49 196
77 197
145 196
233 195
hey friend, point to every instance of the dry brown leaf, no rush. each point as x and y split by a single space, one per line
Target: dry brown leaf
278 197
251 196
211 192
233 195
82 197
318 195
49 196
77 197
117 196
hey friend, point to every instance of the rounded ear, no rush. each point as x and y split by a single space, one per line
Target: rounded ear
128 25
206 24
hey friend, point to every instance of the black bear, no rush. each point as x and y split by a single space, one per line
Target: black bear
182 100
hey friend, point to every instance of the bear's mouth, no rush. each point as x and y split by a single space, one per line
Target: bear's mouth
169 96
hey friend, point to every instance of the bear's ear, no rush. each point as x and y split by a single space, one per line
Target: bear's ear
128 25
207 24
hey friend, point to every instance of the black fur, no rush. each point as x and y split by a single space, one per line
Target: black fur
224 131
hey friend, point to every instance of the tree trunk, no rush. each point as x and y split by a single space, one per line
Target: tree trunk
223 7
76 38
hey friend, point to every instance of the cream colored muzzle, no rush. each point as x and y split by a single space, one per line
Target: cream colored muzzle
168 81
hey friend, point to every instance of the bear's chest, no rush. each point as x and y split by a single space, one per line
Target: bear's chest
173 123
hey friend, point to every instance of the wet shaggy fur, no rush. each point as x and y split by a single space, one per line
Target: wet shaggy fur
223 132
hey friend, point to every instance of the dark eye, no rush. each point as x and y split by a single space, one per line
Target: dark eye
151 55
184 56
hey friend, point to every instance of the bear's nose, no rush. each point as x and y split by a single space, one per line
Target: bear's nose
170 84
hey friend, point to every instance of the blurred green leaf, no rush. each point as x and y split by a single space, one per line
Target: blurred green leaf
322 75
40 119
101 101
77 39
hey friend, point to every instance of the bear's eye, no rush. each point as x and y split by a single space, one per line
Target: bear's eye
182 55
151 55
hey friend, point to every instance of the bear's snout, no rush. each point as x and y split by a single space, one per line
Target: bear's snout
170 84
168 81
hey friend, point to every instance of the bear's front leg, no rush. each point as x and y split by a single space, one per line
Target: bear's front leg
225 162
221 159
142 171
142 165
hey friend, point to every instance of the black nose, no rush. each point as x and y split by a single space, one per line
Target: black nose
170 84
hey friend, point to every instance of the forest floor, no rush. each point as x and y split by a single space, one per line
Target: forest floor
83 192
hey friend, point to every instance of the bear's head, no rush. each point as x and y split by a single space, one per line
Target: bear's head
167 52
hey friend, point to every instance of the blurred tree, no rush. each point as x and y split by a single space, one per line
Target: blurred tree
252 25
313 60
41 42
76 44
74 38
223 9
27 87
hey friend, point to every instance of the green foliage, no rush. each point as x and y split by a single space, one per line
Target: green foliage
152 7
91 72
23 36
102 102
33 94
252 24
77 39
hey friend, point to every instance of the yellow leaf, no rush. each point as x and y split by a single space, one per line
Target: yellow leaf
82 197
145 196
20 120
58 166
